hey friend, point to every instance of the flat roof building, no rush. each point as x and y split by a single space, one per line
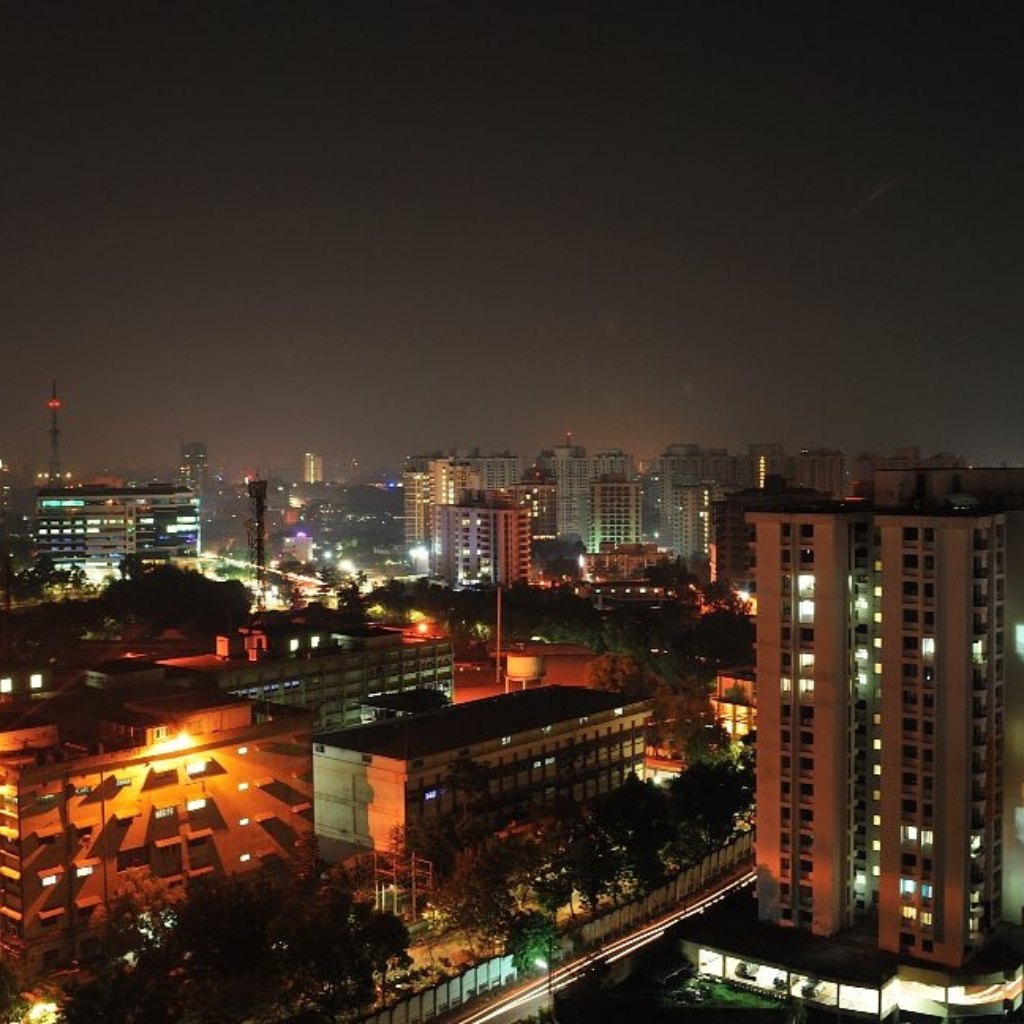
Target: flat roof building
527 752
175 782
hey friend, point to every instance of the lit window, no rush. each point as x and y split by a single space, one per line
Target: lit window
876 769
293 644
164 812
35 681
197 804
83 870
876 819
243 750
909 833
926 918
243 821
907 886
928 646
785 684
875 870
196 767
48 880
876 744
908 913
243 786
876 845
244 857
926 890
506 740
926 837
6 684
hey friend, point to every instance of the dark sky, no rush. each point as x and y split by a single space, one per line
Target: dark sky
374 229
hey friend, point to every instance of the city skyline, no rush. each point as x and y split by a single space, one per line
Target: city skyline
382 232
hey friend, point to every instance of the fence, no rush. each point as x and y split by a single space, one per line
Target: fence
497 972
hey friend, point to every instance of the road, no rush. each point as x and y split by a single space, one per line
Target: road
529 998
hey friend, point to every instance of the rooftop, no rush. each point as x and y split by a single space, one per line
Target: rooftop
478 721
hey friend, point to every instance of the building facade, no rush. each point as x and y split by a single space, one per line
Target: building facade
96 528
890 781
332 673
514 755
179 785
481 543
615 512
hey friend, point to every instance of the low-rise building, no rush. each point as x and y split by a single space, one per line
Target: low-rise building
330 670
178 782
522 754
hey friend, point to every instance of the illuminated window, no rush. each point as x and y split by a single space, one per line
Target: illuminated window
164 812
785 684
926 890
83 870
196 767
35 681
909 833
908 913
907 886
243 821
806 687
876 845
245 856
242 786
293 644
876 819
196 804
6 684
926 918
928 646
48 880
926 837
243 750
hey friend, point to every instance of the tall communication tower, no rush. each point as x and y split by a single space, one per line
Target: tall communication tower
257 530
53 404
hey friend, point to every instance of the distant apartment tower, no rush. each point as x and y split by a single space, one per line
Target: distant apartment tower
481 543
312 468
194 468
572 470
430 481
820 469
890 685
615 512
540 497
95 528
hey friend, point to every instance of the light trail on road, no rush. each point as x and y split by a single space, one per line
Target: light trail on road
567 974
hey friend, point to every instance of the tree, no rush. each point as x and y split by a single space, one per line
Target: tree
621 673
531 938
476 898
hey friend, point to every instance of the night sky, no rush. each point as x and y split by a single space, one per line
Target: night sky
374 229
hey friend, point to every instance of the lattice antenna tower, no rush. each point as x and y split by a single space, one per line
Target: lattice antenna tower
257 530
54 404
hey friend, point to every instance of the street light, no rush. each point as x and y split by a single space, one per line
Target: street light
545 965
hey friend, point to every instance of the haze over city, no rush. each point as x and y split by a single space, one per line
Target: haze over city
371 231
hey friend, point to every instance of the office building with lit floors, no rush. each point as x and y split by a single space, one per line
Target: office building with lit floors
173 782
95 528
890 750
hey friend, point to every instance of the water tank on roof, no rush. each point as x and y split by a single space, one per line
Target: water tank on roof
524 669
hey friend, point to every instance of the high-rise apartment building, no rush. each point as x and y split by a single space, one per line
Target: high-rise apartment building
890 786
572 470
614 512
194 468
430 481
95 528
481 542
312 468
